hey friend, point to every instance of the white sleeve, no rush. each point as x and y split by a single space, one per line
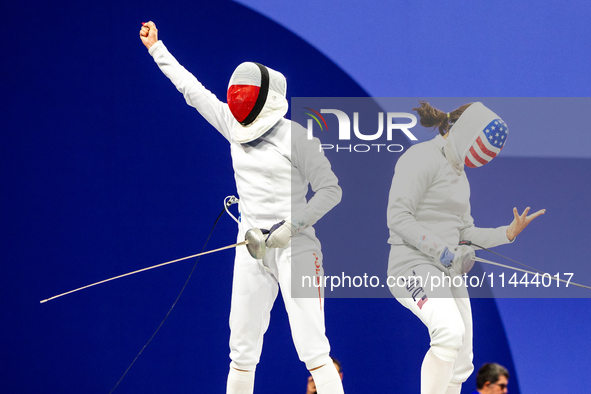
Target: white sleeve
308 158
213 110
486 237
413 174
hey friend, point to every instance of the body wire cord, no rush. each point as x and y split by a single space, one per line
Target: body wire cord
226 204
470 243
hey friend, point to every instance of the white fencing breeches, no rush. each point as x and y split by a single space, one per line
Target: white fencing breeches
444 309
254 291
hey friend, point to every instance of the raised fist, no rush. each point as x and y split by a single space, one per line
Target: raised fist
149 34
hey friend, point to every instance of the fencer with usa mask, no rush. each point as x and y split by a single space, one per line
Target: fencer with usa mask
428 216
274 164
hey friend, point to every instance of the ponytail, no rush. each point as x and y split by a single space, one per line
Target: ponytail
433 117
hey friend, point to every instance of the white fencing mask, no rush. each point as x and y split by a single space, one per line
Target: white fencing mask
256 97
475 138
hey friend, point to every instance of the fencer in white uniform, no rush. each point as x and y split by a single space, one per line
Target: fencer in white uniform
428 216
274 164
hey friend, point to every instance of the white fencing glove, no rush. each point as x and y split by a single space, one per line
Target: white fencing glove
280 234
460 261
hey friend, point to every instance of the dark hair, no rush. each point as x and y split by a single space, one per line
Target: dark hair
490 372
338 364
433 117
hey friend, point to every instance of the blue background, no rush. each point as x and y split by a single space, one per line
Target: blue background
106 170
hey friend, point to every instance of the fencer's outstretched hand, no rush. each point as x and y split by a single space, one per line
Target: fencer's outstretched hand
521 221
149 34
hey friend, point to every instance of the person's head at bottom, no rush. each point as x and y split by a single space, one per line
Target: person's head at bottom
311 388
492 378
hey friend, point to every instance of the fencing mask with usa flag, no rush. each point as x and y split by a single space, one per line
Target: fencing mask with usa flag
475 138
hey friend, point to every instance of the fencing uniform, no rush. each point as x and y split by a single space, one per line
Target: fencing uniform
274 164
428 211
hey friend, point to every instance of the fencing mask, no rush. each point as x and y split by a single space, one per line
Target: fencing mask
256 97
475 138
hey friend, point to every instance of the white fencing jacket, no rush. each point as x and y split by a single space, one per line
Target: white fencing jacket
272 172
429 204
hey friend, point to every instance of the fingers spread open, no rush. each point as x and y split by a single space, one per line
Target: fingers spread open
535 215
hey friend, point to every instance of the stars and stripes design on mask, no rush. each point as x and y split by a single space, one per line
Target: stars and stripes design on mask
488 144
